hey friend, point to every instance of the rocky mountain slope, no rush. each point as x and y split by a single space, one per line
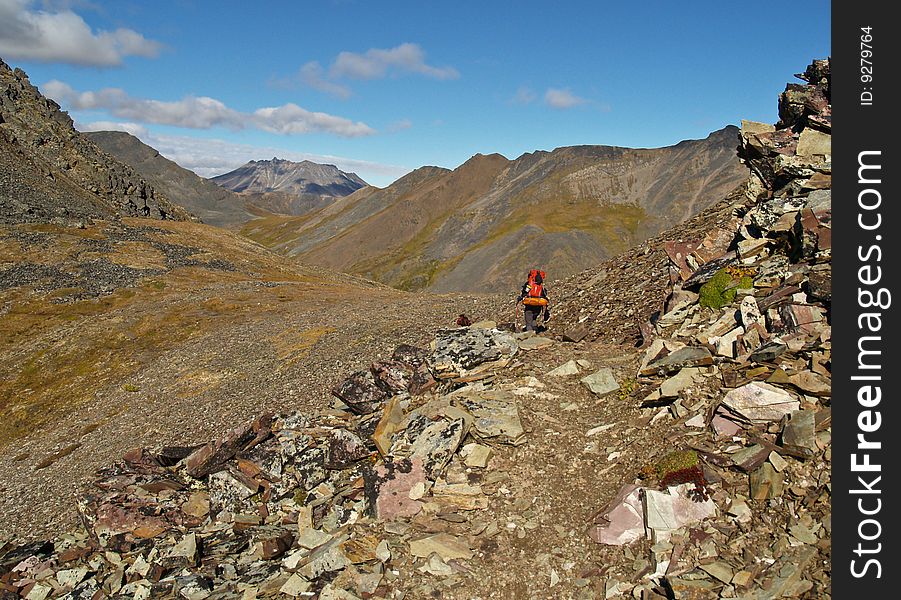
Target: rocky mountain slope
232 447
482 225
50 172
212 203
286 187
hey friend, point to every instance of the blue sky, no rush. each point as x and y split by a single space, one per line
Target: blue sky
381 88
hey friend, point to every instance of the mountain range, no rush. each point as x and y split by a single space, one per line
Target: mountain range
186 413
481 226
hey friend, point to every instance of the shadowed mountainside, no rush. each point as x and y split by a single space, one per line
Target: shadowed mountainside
213 204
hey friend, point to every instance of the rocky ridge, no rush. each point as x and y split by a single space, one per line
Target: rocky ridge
49 171
444 472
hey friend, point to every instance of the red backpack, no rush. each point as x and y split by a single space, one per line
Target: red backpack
533 298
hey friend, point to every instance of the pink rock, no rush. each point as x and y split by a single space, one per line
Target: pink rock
389 485
724 427
809 319
678 253
622 520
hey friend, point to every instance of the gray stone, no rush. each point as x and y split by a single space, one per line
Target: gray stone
601 382
437 444
564 370
456 350
690 356
495 419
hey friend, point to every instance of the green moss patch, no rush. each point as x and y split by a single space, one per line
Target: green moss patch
721 289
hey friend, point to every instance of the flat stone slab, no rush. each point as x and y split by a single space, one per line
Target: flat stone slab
388 488
601 381
812 142
436 445
457 350
535 342
674 508
811 383
799 433
565 370
690 356
445 545
760 402
622 520
495 419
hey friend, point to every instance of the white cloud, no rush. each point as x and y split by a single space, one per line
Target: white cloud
290 118
313 75
562 98
139 131
375 63
60 35
202 112
524 95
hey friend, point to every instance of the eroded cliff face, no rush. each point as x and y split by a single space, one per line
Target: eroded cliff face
481 226
50 172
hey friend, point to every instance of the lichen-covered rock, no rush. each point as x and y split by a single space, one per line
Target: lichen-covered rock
456 350
361 393
344 450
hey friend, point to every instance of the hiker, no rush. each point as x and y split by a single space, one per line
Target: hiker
534 299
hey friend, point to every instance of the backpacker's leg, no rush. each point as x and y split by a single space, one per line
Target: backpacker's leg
531 315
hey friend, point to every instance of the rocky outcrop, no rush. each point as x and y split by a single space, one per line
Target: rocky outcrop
49 171
288 504
738 359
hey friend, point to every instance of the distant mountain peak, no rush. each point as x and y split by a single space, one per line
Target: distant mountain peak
282 175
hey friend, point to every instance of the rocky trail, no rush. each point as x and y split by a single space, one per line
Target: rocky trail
667 437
